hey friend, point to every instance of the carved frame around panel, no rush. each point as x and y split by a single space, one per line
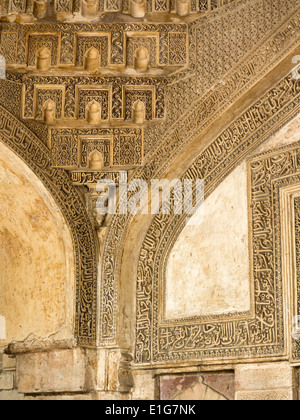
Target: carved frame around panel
188 127
206 340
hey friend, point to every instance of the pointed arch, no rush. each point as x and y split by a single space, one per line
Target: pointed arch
37 156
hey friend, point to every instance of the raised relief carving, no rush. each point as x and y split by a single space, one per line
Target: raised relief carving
141 59
67 96
90 44
178 339
43 60
91 144
183 128
94 113
142 51
92 8
138 112
96 161
120 147
86 96
49 112
55 94
144 95
40 8
28 147
137 8
183 7
39 43
92 60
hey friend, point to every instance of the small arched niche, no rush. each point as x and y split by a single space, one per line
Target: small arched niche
138 112
141 59
92 60
37 293
93 113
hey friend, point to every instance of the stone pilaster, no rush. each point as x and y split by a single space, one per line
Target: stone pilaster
270 381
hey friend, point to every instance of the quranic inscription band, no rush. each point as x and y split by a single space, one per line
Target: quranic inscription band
262 334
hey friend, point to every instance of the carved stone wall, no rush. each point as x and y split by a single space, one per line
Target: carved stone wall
93 91
68 7
229 339
187 128
116 43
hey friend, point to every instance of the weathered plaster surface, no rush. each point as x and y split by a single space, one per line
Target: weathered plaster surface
36 258
208 269
288 135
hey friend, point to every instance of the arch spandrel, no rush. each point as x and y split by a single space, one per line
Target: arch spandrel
149 269
194 130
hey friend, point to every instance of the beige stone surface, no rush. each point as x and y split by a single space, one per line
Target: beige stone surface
36 256
209 263
145 386
11 396
6 381
60 371
232 58
7 362
72 397
266 381
264 376
109 370
266 395
288 135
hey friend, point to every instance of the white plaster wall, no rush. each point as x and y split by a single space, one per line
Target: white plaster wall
208 269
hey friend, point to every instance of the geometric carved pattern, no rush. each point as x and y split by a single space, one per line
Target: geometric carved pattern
29 148
296 343
87 95
113 5
63 6
8 47
177 49
37 42
89 145
148 42
35 98
144 95
43 94
161 6
116 95
63 151
18 6
119 146
85 42
206 110
169 53
128 147
68 46
208 338
22 6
